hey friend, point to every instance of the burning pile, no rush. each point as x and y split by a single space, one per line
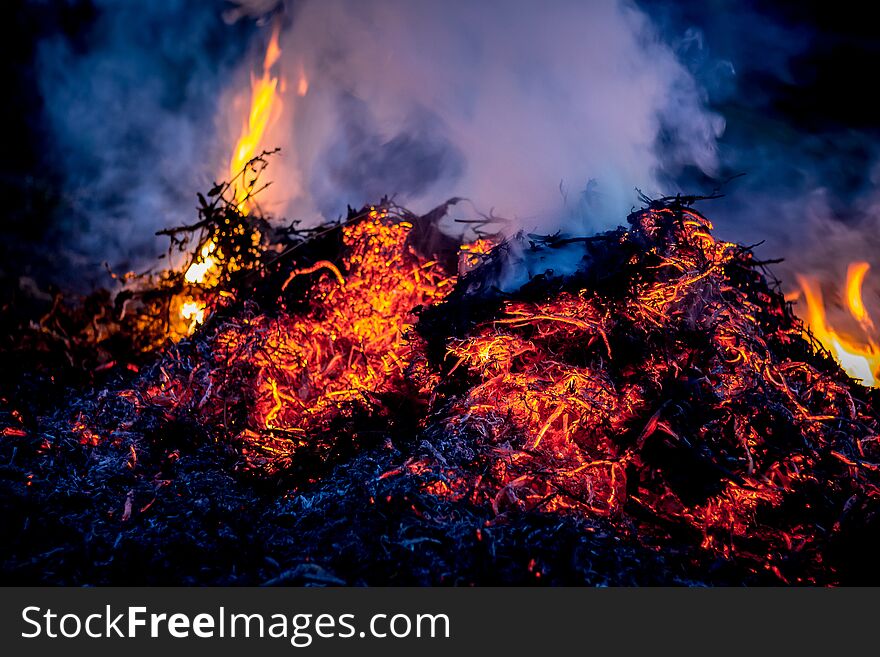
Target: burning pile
348 409
334 347
666 380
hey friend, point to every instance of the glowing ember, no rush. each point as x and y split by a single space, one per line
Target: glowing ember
662 392
354 345
859 358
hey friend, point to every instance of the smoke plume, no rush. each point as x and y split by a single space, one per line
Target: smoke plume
548 114
542 112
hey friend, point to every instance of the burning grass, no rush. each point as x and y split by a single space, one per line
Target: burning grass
317 366
673 386
349 409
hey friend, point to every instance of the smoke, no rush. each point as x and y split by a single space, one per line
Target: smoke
545 113
787 77
129 104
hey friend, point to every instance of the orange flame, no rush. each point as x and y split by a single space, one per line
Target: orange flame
855 277
264 109
302 84
861 360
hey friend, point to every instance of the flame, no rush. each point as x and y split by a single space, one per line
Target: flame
855 277
861 360
194 311
302 83
198 270
265 106
264 109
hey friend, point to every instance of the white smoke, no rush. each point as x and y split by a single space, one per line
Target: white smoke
129 105
547 112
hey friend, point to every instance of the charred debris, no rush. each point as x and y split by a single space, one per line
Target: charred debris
370 402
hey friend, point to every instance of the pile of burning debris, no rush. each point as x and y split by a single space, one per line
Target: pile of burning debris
369 402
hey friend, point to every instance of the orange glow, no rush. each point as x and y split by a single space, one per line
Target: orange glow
591 398
277 405
855 277
859 358
320 363
264 109
302 84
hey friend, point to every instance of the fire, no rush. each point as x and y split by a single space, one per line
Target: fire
264 109
194 311
662 390
309 369
855 277
202 272
198 270
859 359
302 83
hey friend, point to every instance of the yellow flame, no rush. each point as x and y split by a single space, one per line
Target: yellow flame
861 360
198 270
855 277
194 311
265 106
264 109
